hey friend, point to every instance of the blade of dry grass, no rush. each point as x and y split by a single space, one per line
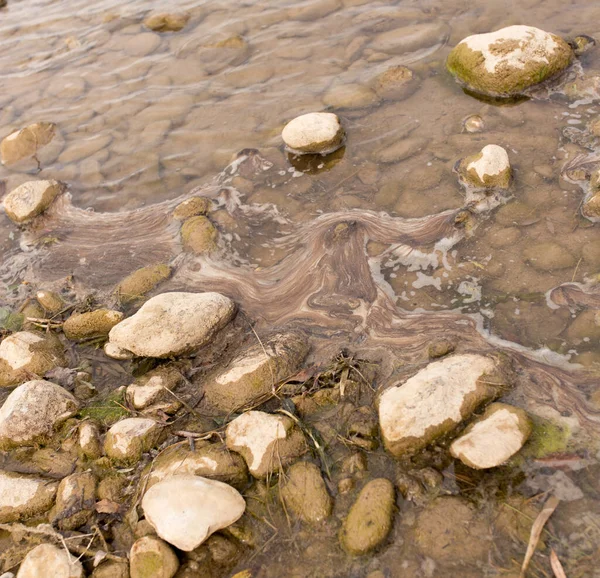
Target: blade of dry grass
536 531
556 565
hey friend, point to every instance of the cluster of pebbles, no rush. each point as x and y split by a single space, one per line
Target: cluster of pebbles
190 506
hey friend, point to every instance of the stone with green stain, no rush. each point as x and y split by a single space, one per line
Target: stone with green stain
591 207
142 281
151 557
28 353
370 518
199 235
91 324
191 208
506 62
305 494
488 169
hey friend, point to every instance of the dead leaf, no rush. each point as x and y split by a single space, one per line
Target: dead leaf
556 565
107 507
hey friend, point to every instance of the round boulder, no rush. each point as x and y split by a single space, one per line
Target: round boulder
488 169
315 132
506 62
49 560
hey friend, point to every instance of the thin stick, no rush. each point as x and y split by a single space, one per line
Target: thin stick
576 268
536 531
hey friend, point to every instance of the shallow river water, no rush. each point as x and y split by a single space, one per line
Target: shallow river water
370 250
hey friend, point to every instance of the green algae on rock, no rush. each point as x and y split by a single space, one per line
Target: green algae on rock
142 281
22 496
91 324
370 518
151 557
166 22
506 62
191 207
198 235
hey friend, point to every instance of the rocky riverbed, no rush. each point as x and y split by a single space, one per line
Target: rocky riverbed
279 302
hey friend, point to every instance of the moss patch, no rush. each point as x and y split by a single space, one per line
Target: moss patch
108 410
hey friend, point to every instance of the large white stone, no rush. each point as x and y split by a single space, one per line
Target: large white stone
267 442
172 324
435 401
129 438
315 132
25 353
185 509
48 561
23 496
31 199
495 437
31 412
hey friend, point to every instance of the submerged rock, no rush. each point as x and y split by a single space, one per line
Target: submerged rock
435 400
493 438
185 510
267 442
370 518
350 96
199 235
91 324
488 169
212 461
396 83
28 353
75 501
129 438
549 256
24 496
172 324
31 199
305 494
166 22
256 371
315 132
142 281
150 557
50 561
51 301
32 411
31 147
506 62
451 531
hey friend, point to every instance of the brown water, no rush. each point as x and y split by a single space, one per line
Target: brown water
367 250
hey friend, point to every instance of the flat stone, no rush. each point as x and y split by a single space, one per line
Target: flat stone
401 150
27 353
28 148
436 400
490 168
50 561
32 411
370 518
549 256
267 442
185 510
31 199
152 391
493 438
315 132
172 324
24 496
212 461
150 557
91 324
350 96
411 38
395 83
129 438
305 494
508 61
255 372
